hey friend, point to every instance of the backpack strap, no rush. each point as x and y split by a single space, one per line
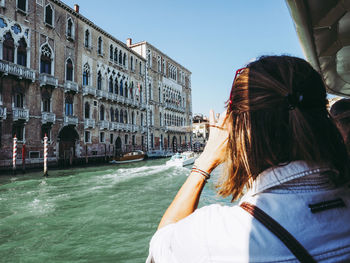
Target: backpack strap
289 241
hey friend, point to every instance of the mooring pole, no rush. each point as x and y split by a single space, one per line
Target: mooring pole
14 155
24 158
45 155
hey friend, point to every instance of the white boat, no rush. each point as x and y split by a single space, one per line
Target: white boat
159 154
183 159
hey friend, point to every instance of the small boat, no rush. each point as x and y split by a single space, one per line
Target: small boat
129 157
159 154
183 159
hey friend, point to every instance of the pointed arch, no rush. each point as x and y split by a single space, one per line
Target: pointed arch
86 74
8 49
49 15
46 59
69 69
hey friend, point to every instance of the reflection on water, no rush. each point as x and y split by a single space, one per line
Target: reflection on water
94 214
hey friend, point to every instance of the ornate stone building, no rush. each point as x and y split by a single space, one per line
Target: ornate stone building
168 87
62 75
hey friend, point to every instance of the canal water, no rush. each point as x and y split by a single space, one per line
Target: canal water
94 214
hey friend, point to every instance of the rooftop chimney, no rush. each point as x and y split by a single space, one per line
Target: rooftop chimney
129 42
76 8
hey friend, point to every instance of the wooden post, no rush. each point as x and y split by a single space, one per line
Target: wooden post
45 155
24 158
14 154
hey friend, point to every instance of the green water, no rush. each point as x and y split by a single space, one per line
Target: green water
94 214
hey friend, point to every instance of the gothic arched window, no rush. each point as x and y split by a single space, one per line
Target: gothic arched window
126 90
102 113
111 52
87 110
22 52
69 70
49 15
86 74
121 119
99 80
69 28
124 59
8 50
99 46
111 112
87 38
45 59
116 115
121 88
116 55
120 57
116 91
110 84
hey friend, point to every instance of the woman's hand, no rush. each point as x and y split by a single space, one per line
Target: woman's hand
214 151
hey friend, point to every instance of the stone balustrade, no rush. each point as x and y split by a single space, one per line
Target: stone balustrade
3 113
48 117
17 70
89 90
89 123
20 114
104 125
47 79
70 120
71 86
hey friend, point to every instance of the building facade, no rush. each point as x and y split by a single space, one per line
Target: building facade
200 130
63 76
168 88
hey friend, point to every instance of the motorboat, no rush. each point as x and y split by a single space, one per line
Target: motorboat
134 156
182 159
159 154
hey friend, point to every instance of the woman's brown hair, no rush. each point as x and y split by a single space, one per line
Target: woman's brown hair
276 114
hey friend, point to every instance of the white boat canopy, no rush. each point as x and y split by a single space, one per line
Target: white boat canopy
323 28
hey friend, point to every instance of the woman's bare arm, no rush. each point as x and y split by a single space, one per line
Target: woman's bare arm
186 200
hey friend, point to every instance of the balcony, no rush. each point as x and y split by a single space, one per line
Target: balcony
89 90
128 101
128 127
143 129
20 114
70 120
142 105
17 70
89 123
120 99
113 126
46 79
48 117
135 128
104 125
101 94
110 96
3 113
70 86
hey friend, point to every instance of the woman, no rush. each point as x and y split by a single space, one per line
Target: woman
284 157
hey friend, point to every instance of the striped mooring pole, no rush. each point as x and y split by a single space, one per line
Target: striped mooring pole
45 155
14 154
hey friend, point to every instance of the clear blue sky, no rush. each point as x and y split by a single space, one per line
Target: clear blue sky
210 38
